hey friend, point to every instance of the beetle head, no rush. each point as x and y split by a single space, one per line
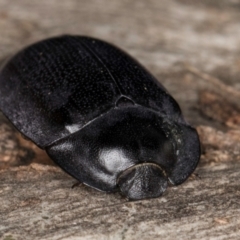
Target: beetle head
145 180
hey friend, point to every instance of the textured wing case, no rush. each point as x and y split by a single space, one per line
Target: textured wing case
55 87
133 80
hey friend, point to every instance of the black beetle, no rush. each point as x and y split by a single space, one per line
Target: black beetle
99 115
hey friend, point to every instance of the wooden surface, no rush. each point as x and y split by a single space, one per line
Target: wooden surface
192 47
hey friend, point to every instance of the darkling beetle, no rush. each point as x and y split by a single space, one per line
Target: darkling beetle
100 115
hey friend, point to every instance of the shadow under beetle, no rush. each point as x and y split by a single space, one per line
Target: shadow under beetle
99 115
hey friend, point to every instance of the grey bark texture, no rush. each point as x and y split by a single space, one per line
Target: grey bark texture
193 48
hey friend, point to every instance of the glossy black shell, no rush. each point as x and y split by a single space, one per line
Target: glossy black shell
98 113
